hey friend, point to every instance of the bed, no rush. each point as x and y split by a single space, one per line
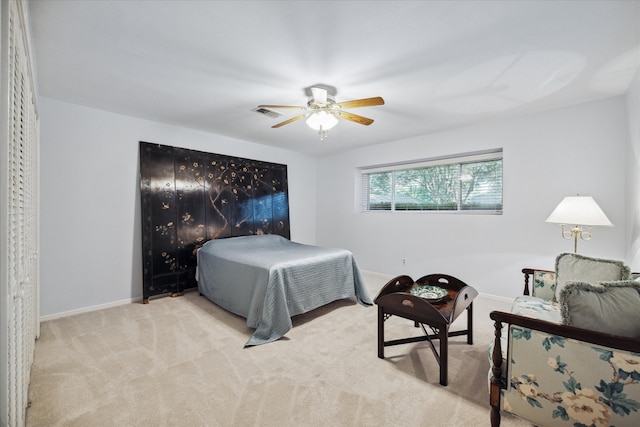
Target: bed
267 279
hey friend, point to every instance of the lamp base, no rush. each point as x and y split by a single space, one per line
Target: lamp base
574 233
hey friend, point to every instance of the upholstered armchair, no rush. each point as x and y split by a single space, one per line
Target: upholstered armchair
569 353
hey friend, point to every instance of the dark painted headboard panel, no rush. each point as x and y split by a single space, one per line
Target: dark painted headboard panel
189 197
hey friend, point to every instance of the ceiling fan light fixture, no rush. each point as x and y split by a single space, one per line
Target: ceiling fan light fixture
322 111
322 121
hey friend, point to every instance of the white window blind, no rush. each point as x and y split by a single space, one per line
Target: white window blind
465 182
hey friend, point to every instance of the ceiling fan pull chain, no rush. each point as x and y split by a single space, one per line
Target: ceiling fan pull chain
323 133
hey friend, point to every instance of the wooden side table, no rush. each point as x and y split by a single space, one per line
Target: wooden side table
396 298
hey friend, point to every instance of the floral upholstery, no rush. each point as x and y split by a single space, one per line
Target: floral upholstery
551 380
537 308
544 284
531 307
557 381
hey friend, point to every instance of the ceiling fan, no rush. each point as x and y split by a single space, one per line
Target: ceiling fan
322 111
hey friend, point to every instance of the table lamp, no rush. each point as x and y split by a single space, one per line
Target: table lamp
578 211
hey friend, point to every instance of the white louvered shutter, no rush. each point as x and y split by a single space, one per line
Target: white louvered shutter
19 261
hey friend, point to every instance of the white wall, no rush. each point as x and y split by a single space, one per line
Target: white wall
90 200
90 241
546 157
633 175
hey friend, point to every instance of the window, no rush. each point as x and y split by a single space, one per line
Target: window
467 182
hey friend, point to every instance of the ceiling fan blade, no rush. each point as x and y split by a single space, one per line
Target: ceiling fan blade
319 95
291 120
355 118
366 102
282 106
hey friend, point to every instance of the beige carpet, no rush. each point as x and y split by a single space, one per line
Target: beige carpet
181 362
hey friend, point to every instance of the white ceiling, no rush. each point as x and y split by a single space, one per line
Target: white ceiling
438 64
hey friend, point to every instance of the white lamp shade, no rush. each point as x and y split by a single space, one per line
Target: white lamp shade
579 210
322 121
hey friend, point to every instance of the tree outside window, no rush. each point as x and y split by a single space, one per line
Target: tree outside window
455 186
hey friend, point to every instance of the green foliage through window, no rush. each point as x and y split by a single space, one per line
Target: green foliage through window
462 183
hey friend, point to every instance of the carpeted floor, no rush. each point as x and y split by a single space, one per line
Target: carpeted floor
181 362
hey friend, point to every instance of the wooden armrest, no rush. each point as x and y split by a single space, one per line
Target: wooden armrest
586 335
529 272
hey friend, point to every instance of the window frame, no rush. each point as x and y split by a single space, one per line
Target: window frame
456 159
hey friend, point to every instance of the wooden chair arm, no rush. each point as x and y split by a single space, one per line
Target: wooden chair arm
586 335
529 272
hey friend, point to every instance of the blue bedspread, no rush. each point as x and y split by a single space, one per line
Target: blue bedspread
267 279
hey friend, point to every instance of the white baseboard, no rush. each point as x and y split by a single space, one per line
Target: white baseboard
374 273
499 299
495 298
89 309
480 294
